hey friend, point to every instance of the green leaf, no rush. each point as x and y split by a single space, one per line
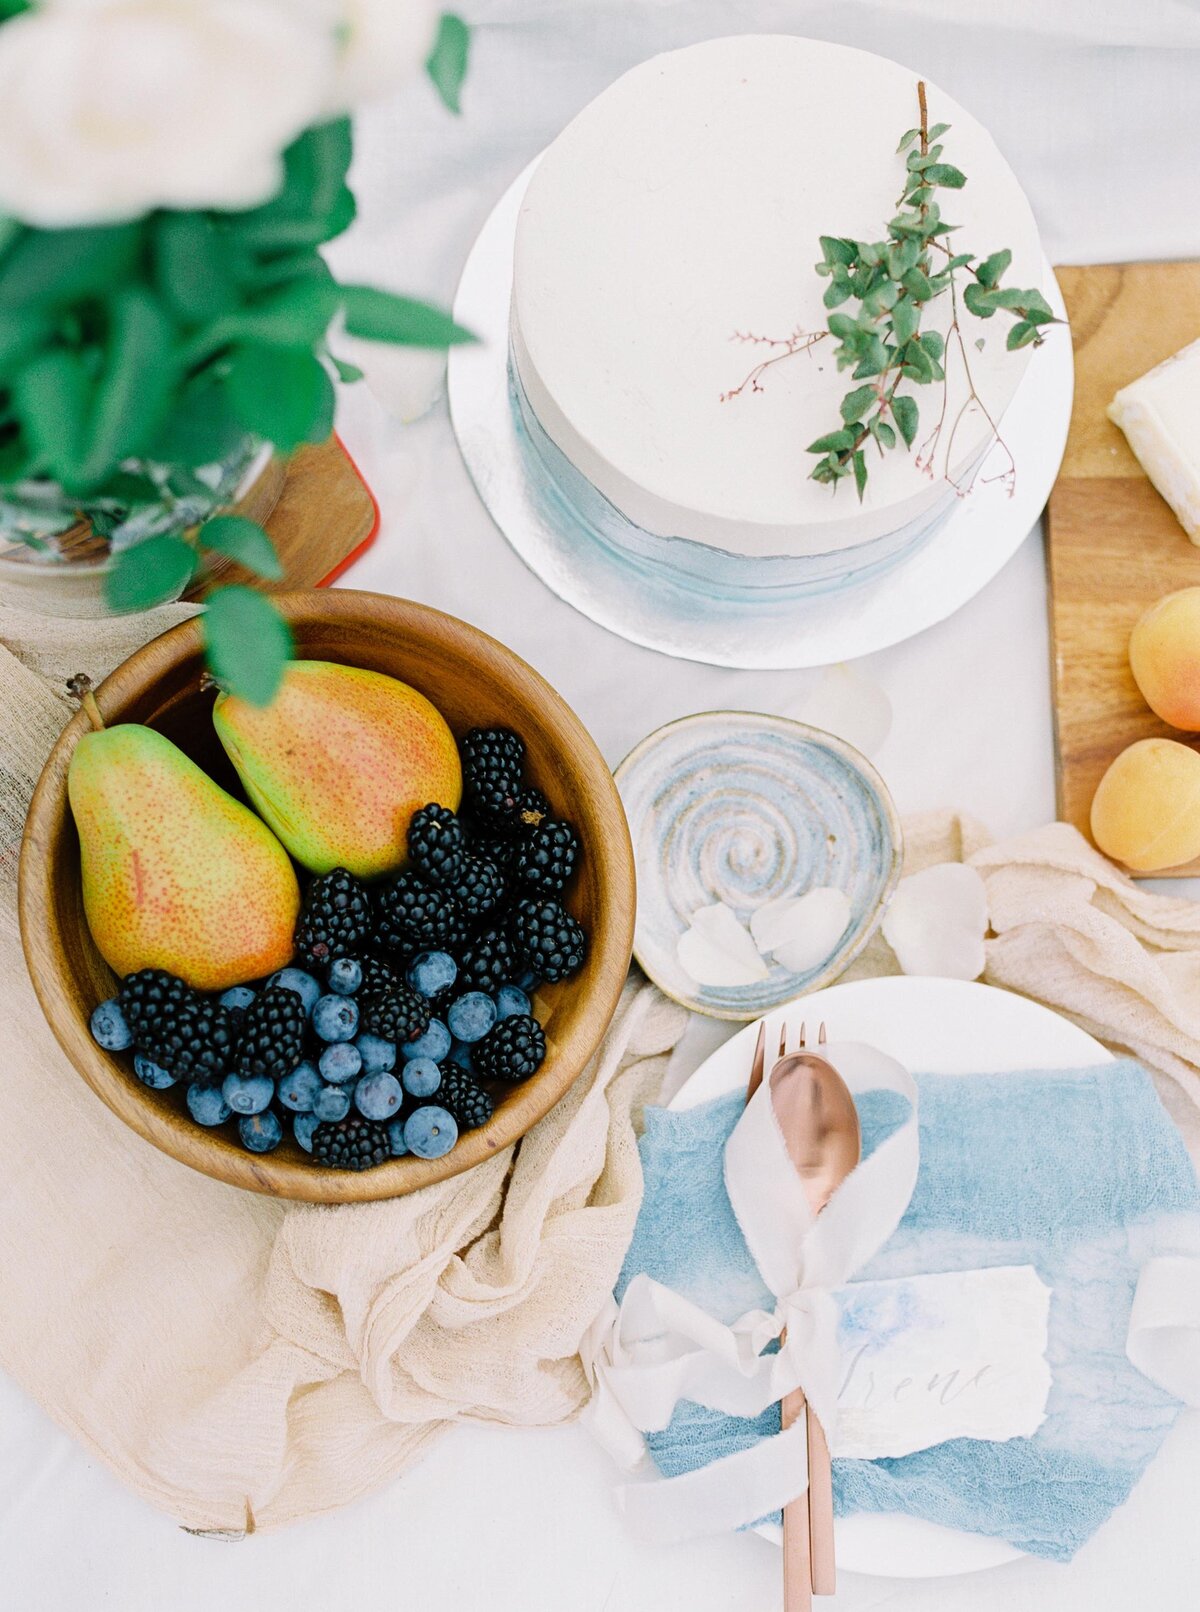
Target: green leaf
948 177
978 301
906 139
905 319
149 573
1036 306
843 326
191 269
882 432
908 417
855 404
310 205
837 250
45 268
835 442
447 63
247 641
244 541
384 316
345 372
989 271
917 361
282 394
860 473
916 283
134 390
1021 334
958 261
938 130
22 331
202 425
52 397
296 315
932 342
836 294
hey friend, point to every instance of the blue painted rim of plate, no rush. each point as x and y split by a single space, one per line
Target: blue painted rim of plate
882 874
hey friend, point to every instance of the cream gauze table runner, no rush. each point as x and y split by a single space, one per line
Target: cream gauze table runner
244 1363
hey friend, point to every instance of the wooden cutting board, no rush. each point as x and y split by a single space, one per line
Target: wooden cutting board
1114 546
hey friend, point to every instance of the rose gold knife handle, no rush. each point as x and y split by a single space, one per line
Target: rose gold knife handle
797 1566
820 1510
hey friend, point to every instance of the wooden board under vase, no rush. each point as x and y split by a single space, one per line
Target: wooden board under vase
1113 544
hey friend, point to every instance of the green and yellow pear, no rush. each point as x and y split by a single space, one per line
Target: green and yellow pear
339 761
177 874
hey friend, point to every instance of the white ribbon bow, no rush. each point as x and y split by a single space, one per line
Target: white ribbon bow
658 1347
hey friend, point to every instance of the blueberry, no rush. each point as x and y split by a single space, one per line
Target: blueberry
206 1104
298 1091
344 976
237 996
421 1077
471 1017
378 1096
331 1104
340 1062
295 979
460 1053
247 1094
260 1132
378 1055
335 1018
435 1043
149 1073
430 1132
511 1000
432 972
395 1135
109 1029
303 1127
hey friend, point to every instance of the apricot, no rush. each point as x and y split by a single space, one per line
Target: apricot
1146 811
1164 652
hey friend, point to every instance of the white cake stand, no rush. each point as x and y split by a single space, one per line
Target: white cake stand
980 537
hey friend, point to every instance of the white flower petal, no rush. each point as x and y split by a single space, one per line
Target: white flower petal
716 949
937 921
802 932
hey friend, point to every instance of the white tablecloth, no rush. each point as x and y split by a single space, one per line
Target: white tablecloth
1094 102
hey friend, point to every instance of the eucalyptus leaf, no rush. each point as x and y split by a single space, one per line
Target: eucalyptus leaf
837 250
905 318
906 139
244 541
191 267
45 268
860 473
855 404
345 371
52 395
447 63
946 176
1021 334
835 442
908 417
384 316
248 643
134 389
990 270
149 574
281 394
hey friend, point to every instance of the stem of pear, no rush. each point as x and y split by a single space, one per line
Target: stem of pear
80 688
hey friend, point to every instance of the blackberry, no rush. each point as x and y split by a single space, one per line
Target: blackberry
415 916
189 1035
436 846
500 849
351 1144
492 761
547 938
464 1097
272 1038
531 811
396 1012
547 858
485 963
375 975
479 887
335 920
512 1050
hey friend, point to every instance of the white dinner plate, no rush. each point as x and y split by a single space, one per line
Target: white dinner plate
931 1026
819 629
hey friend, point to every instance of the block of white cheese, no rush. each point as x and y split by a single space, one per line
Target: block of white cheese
1160 416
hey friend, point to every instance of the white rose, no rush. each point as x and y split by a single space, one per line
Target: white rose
380 42
112 107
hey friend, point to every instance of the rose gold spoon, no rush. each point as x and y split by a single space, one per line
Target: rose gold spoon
820 1126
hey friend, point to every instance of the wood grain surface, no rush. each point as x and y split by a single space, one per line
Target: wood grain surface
473 680
1113 546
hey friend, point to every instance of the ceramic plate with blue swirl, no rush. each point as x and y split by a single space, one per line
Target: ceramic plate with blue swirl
740 808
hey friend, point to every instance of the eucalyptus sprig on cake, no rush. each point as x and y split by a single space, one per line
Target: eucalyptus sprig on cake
891 283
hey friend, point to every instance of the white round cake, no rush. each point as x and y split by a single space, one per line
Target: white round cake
671 232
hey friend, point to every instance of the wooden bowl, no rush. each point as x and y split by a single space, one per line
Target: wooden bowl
474 681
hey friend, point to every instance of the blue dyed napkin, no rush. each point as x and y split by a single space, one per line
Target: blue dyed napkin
1080 1174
